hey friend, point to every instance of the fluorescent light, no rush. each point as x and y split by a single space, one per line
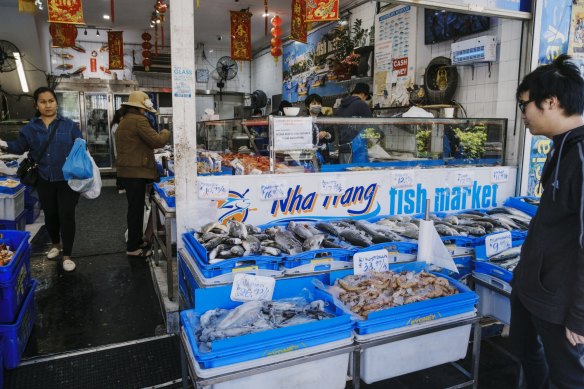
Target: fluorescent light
157 21
20 70
106 17
265 15
211 50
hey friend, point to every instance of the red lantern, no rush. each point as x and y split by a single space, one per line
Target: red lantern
276 21
276 52
146 62
146 37
276 31
276 41
146 45
146 54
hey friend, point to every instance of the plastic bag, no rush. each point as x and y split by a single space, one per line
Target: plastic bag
80 185
359 149
78 164
95 190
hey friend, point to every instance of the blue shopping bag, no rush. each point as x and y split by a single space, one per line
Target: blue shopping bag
78 163
359 148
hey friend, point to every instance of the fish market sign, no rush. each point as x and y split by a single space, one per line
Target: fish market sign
247 287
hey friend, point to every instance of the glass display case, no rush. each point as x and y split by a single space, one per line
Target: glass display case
352 144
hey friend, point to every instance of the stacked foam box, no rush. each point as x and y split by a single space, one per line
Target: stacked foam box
17 312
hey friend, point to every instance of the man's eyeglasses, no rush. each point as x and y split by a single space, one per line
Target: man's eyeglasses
523 104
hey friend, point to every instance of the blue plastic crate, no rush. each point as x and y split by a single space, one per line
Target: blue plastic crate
16 225
517 239
482 265
16 335
14 291
398 251
270 342
319 260
30 196
186 285
1 362
410 314
32 212
249 262
225 171
18 242
170 200
518 203
464 266
10 190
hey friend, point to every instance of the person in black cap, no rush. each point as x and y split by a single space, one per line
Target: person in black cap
355 105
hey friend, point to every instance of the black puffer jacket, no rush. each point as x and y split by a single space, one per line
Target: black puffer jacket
351 106
549 279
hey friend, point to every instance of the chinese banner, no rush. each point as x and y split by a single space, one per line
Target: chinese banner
322 10
65 11
115 43
63 34
299 28
576 42
27 6
241 35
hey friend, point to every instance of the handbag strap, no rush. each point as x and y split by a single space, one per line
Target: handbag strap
51 135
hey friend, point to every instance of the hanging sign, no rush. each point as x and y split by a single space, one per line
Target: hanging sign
497 243
240 35
63 35
293 133
247 287
322 10
369 261
65 11
115 42
298 26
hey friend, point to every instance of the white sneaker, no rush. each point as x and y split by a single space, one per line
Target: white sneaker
53 253
68 265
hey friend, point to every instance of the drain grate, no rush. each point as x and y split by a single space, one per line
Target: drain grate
148 363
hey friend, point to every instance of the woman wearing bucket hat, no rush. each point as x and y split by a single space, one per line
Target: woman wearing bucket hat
135 144
350 143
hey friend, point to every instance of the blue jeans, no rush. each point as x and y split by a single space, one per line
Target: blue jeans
544 351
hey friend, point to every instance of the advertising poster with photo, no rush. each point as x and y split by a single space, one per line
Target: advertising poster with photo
395 56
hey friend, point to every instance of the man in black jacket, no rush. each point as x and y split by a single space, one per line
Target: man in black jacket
354 105
547 303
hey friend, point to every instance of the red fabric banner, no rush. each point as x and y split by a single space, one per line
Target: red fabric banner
65 11
93 65
63 34
299 28
322 10
241 36
115 43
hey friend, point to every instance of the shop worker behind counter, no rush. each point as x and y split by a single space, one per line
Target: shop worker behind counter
135 144
355 105
57 199
547 302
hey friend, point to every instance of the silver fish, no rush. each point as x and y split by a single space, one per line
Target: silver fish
271 251
237 250
507 254
211 244
251 245
355 238
213 254
313 243
245 314
328 228
301 231
251 229
237 229
287 242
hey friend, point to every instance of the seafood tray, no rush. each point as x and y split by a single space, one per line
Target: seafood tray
15 276
322 374
494 298
264 343
495 265
406 315
318 260
225 171
416 353
10 185
160 188
238 264
16 334
527 204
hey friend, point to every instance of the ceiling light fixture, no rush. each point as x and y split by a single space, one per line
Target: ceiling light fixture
20 70
85 33
106 17
97 33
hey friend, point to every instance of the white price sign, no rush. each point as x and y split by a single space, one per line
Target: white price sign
463 178
368 261
332 186
273 191
500 174
403 179
497 243
293 133
247 287
213 190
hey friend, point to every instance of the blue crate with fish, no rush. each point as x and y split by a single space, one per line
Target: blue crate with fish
398 252
318 260
223 332
166 190
527 204
418 296
464 264
225 171
14 289
17 333
501 264
9 185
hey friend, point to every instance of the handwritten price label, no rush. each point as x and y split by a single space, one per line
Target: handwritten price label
247 287
332 186
273 191
463 179
403 179
213 190
500 174
497 243
368 261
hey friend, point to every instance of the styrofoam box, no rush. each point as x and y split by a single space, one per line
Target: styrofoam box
11 205
326 373
493 304
421 352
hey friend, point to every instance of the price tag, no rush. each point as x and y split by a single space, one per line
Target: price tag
332 186
247 287
273 191
498 243
213 190
368 261
403 179
464 178
500 174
